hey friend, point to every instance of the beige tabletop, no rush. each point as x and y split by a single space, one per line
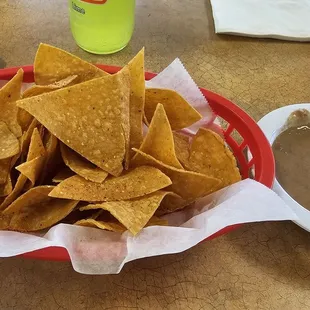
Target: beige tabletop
260 266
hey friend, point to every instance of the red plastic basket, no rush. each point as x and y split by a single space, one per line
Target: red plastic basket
261 165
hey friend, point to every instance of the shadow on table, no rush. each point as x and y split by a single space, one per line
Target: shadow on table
2 63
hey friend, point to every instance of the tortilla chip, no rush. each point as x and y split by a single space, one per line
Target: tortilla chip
180 113
159 142
138 182
181 145
62 175
9 144
52 157
35 210
210 155
4 221
171 203
9 93
133 214
137 99
36 147
6 188
81 166
156 221
89 117
24 118
36 90
52 64
111 226
189 185
5 167
32 167
26 137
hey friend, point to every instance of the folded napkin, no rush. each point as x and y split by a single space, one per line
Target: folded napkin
279 19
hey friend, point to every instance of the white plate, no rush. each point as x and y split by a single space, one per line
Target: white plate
271 125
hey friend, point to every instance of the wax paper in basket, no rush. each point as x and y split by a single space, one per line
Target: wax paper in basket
94 251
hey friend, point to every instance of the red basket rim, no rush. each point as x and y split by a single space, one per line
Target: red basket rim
266 177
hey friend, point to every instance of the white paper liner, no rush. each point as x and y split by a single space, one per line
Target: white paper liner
94 251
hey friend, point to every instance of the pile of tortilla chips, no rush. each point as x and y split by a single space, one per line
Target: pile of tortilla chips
72 149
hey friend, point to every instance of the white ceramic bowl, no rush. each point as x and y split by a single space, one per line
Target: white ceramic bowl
271 125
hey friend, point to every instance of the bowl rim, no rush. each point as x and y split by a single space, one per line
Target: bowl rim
271 124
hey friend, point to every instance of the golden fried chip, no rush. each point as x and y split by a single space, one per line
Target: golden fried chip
171 203
4 221
62 175
189 185
156 221
52 157
5 167
52 64
111 226
24 118
36 147
182 145
26 137
138 182
32 167
35 210
137 98
9 144
133 214
209 155
180 113
159 140
6 188
9 93
36 90
90 118
81 166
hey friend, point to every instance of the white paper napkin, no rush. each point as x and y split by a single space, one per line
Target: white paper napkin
279 19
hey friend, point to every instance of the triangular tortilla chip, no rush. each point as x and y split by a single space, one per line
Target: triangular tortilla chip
137 99
180 113
133 214
52 157
9 93
182 145
31 167
189 185
62 175
36 90
52 64
6 188
89 117
35 210
210 155
171 203
156 221
5 167
9 144
159 141
138 182
24 118
111 226
82 166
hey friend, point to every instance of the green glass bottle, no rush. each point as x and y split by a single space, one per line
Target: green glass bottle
102 26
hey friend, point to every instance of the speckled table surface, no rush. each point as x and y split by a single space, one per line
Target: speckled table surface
260 266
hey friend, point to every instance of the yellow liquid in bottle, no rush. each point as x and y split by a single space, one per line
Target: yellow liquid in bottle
102 26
